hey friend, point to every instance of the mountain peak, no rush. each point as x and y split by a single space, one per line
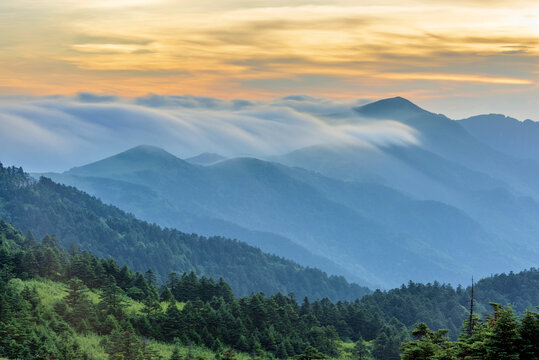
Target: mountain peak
146 149
393 108
141 157
145 153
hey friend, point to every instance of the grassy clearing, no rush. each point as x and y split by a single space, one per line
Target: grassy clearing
346 350
91 345
51 292
135 307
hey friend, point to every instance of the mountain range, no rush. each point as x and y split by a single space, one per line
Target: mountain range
454 204
79 221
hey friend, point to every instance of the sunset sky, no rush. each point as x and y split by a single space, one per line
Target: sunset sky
457 57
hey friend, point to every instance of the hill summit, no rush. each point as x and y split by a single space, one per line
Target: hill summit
392 108
142 157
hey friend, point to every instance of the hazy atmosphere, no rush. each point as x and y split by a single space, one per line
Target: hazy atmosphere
57 133
269 180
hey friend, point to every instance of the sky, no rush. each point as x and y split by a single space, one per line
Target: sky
456 57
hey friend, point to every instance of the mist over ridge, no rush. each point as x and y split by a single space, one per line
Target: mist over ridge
305 178
57 133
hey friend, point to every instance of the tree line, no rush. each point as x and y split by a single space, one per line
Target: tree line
500 336
191 310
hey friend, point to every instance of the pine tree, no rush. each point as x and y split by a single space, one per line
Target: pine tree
310 353
428 345
242 344
150 277
123 344
503 340
470 318
217 345
111 300
176 354
173 322
281 352
77 292
149 352
385 348
360 351
166 294
529 332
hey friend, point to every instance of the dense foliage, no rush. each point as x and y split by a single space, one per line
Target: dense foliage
209 314
45 207
443 307
501 336
193 311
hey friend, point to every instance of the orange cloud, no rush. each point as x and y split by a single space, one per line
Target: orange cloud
455 77
263 48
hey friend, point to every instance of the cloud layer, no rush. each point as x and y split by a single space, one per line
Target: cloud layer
482 55
57 133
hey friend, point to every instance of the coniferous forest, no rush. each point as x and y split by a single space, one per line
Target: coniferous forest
71 304
59 300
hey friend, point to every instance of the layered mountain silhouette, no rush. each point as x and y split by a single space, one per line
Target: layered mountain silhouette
82 222
452 205
493 186
506 134
450 140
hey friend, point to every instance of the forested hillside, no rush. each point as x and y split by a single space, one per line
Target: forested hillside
80 220
376 234
73 305
93 297
444 307
500 335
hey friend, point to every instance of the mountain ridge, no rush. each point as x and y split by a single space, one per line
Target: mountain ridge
143 156
313 211
506 134
391 107
45 207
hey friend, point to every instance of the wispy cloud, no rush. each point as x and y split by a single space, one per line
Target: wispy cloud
456 77
261 49
57 133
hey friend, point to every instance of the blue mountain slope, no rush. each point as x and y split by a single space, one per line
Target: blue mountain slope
374 232
441 209
147 204
506 134
447 138
450 165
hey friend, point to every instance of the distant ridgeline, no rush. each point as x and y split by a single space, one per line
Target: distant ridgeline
74 305
80 220
463 192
